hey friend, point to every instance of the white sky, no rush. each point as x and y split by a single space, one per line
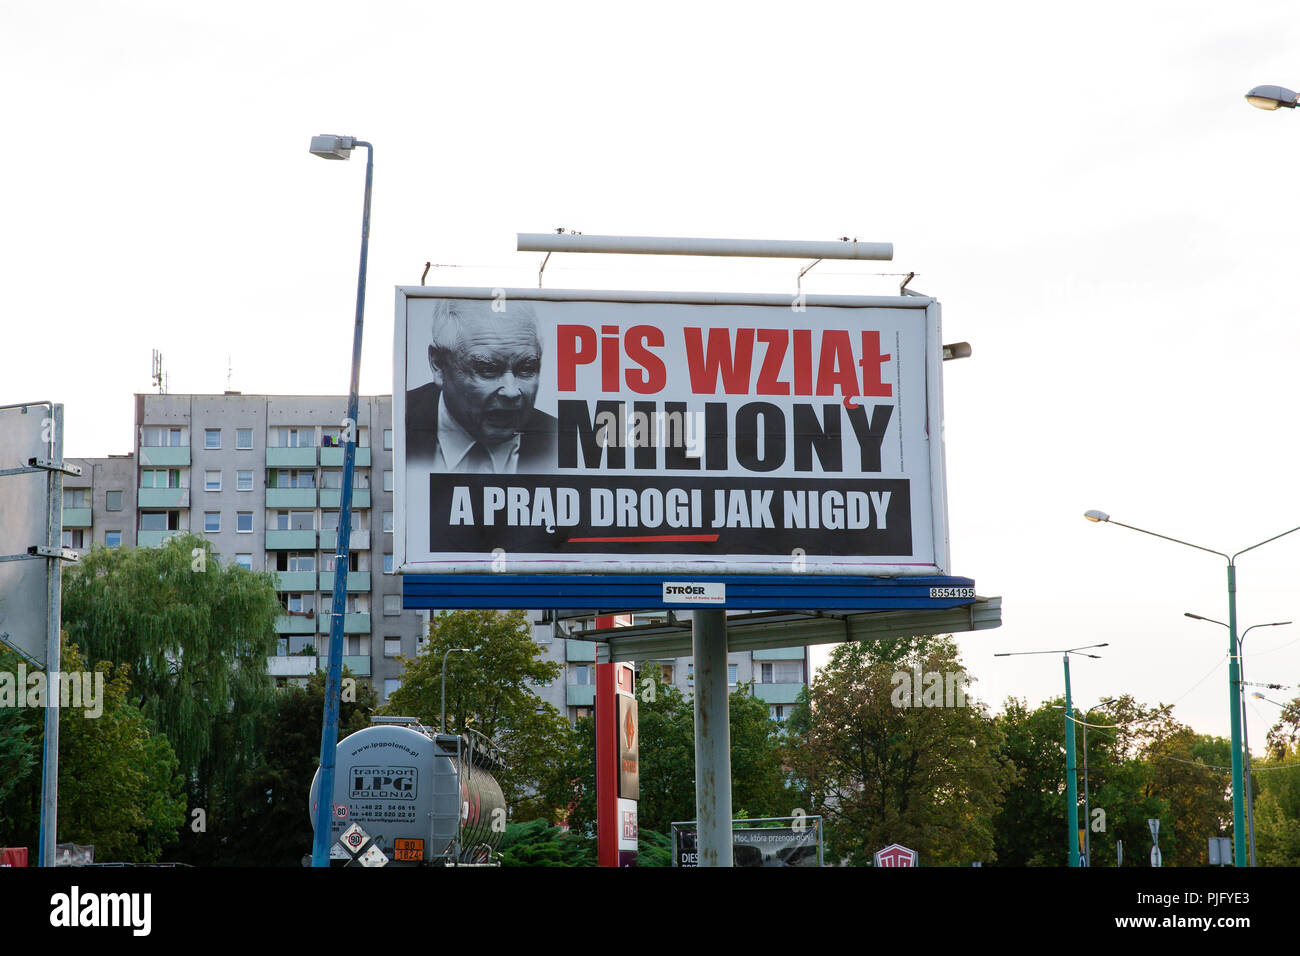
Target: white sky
1084 189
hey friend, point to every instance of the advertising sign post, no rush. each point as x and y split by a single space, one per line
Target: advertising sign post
618 770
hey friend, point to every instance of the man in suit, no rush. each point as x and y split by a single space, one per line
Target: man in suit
477 414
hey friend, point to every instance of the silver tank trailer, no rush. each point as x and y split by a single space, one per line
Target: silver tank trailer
414 796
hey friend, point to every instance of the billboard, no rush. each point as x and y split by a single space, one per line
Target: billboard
594 432
26 432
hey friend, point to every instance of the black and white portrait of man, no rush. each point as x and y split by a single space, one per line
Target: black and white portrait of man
477 414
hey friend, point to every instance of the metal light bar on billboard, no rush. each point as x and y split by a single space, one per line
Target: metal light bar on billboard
678 246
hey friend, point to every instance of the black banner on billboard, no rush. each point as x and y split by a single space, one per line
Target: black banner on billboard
629 515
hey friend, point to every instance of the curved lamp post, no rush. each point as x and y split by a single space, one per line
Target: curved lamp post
1234 676
340 147
1071 771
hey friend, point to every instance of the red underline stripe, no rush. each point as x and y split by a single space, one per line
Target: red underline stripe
650 537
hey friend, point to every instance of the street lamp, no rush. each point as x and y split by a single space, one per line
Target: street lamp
340 147
1234 686
442 716
1245 722
1271 97
1071 785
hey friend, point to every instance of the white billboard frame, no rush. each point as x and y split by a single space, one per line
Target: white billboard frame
586 564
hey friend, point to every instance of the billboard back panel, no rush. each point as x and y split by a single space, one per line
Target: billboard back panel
574 432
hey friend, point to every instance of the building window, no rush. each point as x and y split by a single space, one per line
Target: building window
388 522
392 646
161 437
331 478
388 439
113 501
295 521
581 674
113 539
212 481
581 712
212 438
779 712
245 561
244 481
666 673
329 561
391 686
74 538
211 521
160 521
243 438
296 437
329 521
388 481
244 521
76 498
392 604
731 674
160 478
780 672
388 564
296 603
295 561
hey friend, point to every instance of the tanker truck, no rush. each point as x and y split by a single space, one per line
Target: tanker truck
406 796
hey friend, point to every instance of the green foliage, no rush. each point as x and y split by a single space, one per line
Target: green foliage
653 849
490 689
270 824
928 777
537 843
120 787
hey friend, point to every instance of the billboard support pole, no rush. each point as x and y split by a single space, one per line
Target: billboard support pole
712 738
49 822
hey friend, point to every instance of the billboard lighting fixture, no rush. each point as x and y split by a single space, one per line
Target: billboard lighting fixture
330 146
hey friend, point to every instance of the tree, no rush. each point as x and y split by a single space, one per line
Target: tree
120 788
195 636
923 772
490 690
271 826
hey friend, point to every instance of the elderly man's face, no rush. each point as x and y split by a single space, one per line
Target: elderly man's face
490 381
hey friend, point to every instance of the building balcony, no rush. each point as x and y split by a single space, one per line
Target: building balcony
295 581
580 651
291 458
778 693
357 581
291 540
295 665
169 456
352 623
580 695
357 541
295 624
291 497
332 498
333 458
358 664
76 517
163 498
780 654
154 539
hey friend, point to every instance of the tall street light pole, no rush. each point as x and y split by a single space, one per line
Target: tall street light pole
340 147
1245 723
1071 771
1234 675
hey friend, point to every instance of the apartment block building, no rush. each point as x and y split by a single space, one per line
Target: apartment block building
260 476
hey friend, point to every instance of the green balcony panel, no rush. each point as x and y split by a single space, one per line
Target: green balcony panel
358 664
163 498
357 541
580 695
352 623
780 654
333 498
291 458
171 456
294 665
357 581
333 458
154 539
295 624
291 497
778 693
76 517
291 541
580 651
295 581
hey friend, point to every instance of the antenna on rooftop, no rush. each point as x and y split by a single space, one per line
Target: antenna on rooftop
159 379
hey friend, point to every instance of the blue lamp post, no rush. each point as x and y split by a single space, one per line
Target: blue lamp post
340 147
